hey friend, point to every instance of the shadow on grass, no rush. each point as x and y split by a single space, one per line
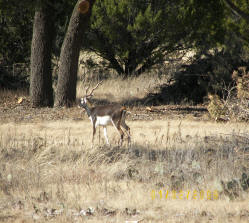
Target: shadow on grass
189 163
161 98
207 151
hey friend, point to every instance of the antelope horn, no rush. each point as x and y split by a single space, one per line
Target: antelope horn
87 90
91 93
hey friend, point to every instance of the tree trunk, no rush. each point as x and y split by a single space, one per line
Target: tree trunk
41 91
68 66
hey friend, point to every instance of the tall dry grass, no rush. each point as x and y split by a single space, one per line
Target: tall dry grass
118 89
50 171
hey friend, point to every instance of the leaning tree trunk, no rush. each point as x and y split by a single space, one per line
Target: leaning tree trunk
68 65
41 91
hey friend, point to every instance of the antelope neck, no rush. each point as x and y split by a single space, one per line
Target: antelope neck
88 111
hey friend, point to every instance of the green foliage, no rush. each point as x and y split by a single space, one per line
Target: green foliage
15 40
205 22
236 23
16 31
135 35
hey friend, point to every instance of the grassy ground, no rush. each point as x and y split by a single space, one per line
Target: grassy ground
180 167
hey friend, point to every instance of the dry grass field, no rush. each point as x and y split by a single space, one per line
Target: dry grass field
180 166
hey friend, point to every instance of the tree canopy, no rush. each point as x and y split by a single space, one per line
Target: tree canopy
135 35
238 21
16 31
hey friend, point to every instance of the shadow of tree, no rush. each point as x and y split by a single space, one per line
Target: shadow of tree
177 166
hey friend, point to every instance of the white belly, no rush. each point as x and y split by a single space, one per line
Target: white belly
103 121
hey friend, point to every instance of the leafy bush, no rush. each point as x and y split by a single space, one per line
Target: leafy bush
216 107
236 104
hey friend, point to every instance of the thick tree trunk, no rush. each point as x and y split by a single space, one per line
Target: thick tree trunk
68 67
41 91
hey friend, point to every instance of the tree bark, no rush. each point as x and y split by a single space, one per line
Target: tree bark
41 91
68 65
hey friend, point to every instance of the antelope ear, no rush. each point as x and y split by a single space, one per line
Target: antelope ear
85 100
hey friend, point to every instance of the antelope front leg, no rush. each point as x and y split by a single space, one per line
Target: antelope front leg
106 137
94 131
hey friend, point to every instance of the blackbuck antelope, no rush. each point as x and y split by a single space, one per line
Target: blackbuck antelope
103 115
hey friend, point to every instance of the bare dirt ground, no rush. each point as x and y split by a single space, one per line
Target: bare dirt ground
181 166
12 110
